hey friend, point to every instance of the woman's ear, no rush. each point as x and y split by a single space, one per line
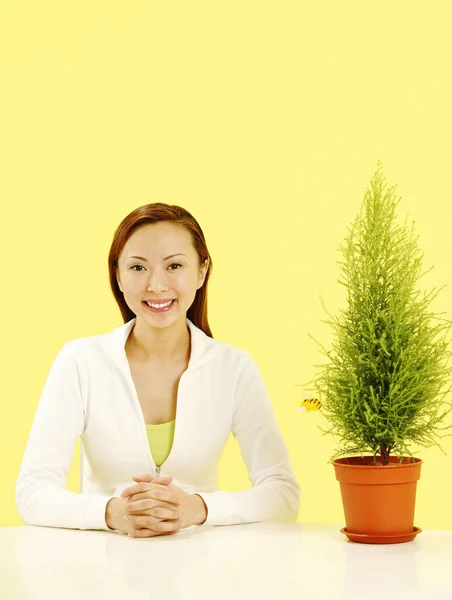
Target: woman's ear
118 280
203 272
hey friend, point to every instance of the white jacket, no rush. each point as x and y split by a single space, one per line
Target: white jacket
89 393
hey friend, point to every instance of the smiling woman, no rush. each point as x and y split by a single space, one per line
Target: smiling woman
154 402
153 235
159 286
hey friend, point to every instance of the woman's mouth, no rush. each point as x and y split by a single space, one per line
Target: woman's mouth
160 307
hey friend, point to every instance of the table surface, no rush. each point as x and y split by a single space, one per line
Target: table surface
282 561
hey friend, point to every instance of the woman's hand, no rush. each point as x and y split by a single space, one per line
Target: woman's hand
117 510
161 509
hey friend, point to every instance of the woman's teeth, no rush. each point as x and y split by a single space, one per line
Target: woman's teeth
157 308
159 305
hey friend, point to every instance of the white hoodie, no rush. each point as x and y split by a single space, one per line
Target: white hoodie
89 393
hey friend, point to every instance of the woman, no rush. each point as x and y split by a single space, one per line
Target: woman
154 402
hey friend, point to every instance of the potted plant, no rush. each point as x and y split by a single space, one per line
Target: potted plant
383 388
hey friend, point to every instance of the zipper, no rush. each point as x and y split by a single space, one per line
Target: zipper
158 469
138 407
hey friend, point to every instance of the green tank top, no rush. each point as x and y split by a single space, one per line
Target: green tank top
160 438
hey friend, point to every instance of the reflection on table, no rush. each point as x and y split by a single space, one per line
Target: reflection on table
262 560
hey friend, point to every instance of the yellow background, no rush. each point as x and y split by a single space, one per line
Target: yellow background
265 120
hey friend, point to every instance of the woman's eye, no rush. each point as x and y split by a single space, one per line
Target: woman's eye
172 265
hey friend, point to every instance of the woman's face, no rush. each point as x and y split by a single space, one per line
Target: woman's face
168 269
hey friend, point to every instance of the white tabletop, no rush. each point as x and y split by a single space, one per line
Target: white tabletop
282 561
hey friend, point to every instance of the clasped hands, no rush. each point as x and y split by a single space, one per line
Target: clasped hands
155 507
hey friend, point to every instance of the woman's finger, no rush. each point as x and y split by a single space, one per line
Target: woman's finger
133 521
162 494
163 526
151 520
161 480
147 533
165 495
144 506
160 528
143 533
142 486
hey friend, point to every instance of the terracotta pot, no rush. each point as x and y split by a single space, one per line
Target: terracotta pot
378 499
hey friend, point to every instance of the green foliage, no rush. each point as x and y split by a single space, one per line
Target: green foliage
383 388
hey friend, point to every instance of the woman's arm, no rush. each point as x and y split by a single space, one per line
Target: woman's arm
41 497
275 495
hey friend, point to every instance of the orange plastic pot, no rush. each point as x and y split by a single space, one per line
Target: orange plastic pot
378 500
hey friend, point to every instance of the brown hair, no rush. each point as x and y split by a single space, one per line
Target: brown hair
152 213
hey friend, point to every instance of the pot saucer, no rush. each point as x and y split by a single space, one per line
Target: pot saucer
364 538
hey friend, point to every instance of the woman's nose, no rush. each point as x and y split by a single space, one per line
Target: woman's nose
157 281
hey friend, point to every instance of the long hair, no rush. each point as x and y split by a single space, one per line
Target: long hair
153 213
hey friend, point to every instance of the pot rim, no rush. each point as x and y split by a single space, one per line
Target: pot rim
413 462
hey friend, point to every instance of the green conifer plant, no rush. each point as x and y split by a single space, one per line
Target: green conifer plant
385 385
